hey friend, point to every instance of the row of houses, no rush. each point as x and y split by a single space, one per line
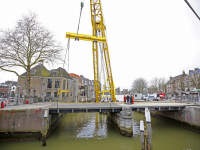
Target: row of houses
184 85
46 83
8 88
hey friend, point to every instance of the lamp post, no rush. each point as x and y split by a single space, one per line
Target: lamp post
17 95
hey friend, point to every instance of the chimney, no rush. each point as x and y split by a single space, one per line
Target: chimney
170 77
183 72
190 71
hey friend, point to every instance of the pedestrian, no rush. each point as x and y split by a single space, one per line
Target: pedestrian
127 99
131 97
124 99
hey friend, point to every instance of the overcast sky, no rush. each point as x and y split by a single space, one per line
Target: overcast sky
146 38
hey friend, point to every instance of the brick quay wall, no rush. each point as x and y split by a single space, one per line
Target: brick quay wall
27 124
188 118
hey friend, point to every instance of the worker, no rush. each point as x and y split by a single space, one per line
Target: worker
133 100
124 99
127 99
131 97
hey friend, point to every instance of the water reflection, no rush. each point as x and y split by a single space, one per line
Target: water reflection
84 126
89 131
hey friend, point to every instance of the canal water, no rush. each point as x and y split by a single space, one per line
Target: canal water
94 131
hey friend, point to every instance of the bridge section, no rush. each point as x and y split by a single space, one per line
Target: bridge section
114 107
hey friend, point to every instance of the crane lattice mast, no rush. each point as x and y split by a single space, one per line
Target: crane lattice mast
98 26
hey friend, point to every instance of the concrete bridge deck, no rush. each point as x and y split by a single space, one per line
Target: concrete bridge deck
98 107
115 107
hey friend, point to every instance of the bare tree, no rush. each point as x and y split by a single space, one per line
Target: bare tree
139 84
26 45
195 80
161 84
158 84
154 84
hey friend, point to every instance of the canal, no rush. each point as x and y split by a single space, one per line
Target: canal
94 131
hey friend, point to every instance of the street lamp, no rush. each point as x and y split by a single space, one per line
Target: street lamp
18 95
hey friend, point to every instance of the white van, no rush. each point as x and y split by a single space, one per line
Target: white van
137 96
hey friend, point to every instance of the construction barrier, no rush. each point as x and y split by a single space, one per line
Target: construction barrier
2 104
27 101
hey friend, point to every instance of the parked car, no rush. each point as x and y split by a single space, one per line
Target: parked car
145 97
12 99
150 98
173 98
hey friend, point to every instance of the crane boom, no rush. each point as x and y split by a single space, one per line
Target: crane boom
98 27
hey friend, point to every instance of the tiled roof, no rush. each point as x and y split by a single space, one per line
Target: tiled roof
194 72
175 78
73 75
40 71
60 73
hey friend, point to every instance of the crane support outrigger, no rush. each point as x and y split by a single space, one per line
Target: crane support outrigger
97 26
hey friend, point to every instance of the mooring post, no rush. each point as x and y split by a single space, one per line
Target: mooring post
142 134
44 134
148 121
43 140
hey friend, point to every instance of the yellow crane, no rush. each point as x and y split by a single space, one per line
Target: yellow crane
62 91
99 28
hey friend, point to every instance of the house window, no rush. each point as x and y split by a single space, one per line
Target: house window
49 83
55 73
64 82
48 94
74 86
34 92
68 83
55 94
63 94
70 94
71 85
33 71
57 83
67 94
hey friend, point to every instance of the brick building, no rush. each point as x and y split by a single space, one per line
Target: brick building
184 85
175 85
45 84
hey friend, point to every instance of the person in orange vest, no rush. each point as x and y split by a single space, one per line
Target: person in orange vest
124 99
133 100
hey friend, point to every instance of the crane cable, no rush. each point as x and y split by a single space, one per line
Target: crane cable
82 4
68 44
